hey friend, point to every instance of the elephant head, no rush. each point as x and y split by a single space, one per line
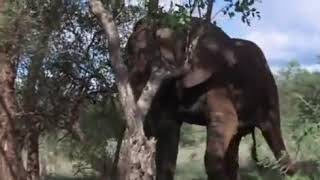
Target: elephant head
205 48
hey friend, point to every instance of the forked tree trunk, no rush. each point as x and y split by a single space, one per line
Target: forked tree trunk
135 165
137 155
12 166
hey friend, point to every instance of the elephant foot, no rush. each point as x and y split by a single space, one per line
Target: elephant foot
291 169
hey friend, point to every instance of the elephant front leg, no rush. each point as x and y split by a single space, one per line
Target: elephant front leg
167 149
232 158
221 129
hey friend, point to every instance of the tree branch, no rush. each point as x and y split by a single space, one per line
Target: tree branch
133 117
152 6
209 11
135 112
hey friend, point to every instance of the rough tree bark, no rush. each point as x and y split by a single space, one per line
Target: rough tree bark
11 166
137 156
137 140
11 162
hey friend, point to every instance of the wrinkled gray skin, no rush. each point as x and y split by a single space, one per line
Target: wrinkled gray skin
229 89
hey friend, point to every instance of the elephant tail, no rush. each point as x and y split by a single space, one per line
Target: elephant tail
254 154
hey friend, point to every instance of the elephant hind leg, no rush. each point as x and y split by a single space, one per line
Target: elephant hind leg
221 129
271 131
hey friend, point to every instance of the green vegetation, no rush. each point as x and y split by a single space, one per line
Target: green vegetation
299 94
66 99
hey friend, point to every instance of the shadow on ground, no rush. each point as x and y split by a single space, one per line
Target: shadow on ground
60 177
307 170
194 170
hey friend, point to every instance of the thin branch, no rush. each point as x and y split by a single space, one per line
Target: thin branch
120 11
192 7
221 10
117 153
91 42
64 136
218 12
199 12
74 114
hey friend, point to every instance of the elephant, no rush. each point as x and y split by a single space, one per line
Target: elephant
229 88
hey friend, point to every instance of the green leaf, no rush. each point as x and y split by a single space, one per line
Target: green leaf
231 14
251 2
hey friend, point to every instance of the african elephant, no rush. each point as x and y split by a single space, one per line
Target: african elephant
229 88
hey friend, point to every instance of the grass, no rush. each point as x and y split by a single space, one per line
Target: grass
59 177
190 165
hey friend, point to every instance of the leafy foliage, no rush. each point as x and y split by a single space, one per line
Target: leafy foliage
64 40
244 7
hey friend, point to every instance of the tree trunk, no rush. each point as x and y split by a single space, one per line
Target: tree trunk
11 159
114 171
30 101
209 11
153 6
140 152
33 167
137 153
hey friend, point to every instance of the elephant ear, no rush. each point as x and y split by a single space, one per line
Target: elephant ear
209 52
196 75
209 56
200 70
169 48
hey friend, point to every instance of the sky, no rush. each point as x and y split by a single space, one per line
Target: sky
288 30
